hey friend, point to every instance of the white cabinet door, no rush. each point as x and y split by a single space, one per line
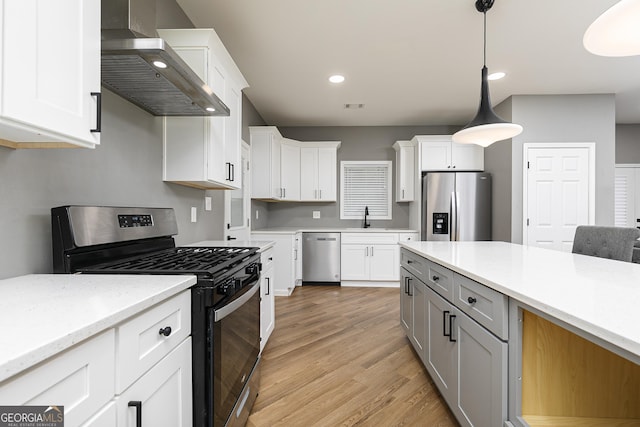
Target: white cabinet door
163 395
50 59
481 392
354 262
436 155
265 163
327 169
284 262
290 171
267 300
467 157
233 137
383 262
419 316
308 173
217 169
405 171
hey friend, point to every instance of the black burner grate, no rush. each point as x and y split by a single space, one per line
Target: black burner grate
201 261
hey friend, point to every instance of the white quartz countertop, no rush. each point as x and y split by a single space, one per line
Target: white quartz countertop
42 315
595 295
290 230
260 244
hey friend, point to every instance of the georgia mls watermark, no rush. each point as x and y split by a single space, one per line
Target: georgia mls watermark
31 416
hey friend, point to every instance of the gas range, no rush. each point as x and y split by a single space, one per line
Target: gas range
225 302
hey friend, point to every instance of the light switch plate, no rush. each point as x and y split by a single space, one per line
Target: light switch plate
194 214
316 214
207 203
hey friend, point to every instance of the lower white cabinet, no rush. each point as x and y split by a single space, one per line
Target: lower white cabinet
369 257
162 397
284 254
267 299
139 360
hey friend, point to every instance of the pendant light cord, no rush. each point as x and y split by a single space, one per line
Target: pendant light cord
484 58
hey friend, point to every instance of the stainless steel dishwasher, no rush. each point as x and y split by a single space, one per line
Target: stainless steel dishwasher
320 258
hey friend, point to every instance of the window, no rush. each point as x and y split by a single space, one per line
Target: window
365 184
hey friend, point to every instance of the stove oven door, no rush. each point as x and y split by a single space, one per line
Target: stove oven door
235 329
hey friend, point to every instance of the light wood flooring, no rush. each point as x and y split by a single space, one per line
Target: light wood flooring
338 357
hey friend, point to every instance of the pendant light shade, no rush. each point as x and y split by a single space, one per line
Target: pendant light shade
486 127
616 32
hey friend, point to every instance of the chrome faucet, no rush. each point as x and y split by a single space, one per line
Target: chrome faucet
366 213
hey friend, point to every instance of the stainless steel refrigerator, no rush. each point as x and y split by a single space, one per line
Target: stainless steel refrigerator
456 206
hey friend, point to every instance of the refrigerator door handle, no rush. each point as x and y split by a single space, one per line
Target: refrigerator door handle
457 217
453 208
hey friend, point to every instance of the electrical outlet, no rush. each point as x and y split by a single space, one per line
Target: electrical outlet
207 203
316 214
194 214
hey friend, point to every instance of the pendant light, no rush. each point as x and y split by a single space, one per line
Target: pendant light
486 127
616 32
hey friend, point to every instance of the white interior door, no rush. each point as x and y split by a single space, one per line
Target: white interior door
559 193
237 204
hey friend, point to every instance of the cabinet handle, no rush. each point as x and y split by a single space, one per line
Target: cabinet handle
166 331
98 127
138 407
366 251
268 286
435 278
371 250
409 281
270 258
454 166
295 254
320 194
471 300
449 167
406 286
409 261
444 324
231 238
403 193
233 171
453 316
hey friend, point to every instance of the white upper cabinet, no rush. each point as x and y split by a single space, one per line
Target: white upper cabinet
439 153
405 171
290 169
266 145
204 152
318 171
50 73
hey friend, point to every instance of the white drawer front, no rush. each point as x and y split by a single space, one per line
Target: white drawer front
484 305
367 238
80 378
408 237
266 258
140 345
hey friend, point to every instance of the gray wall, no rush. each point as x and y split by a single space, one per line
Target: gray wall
628 144
358 143
124 170
555 118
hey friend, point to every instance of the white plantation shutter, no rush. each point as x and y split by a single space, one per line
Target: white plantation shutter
365 184
624 197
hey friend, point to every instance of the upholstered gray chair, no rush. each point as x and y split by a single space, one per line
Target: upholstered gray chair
606 242
636 253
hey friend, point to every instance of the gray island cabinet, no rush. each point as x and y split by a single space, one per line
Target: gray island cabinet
521 336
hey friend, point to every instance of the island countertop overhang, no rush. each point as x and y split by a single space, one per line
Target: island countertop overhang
599 297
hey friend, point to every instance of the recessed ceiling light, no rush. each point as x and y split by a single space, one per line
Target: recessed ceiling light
496 76
336 78
210 109
159 64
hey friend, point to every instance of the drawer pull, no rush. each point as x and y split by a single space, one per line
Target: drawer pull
138 406
444 324
435 278
270 258
471 300
409 261
166 331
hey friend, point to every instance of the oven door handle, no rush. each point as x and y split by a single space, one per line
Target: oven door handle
234 305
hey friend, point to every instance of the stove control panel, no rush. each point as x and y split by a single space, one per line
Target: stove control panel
127 221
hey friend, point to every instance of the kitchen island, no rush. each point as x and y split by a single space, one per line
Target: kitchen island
560 338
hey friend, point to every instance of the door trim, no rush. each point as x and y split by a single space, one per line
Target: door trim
591 146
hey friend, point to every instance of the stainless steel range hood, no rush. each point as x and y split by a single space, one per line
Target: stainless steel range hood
131 52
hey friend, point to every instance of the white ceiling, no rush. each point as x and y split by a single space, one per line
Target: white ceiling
411 62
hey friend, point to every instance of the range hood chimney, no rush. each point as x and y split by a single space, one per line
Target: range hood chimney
132 64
